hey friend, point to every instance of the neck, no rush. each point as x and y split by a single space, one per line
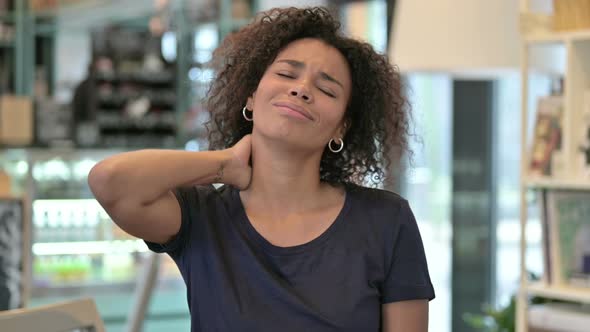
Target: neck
283 181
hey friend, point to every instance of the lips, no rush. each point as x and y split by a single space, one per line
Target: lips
295 108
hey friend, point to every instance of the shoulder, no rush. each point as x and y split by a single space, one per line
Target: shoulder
373 199
381 210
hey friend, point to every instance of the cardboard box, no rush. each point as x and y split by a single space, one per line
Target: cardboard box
5 184
16 120
571 14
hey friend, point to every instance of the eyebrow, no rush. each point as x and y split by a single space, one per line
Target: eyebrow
299 64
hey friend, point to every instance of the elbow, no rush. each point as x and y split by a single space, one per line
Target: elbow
101 182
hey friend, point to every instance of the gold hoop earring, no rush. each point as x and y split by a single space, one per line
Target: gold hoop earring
339 148
245 116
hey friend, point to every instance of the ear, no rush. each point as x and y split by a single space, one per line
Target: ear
250 102
344 128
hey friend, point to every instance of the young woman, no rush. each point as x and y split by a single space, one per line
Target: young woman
302 118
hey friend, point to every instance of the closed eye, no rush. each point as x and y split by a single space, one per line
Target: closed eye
328 93
286 75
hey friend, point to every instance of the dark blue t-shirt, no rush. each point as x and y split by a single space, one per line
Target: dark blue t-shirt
238 281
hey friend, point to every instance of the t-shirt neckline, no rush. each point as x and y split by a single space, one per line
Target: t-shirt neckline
255 236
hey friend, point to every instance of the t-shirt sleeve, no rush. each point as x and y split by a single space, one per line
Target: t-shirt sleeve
408 277
187 200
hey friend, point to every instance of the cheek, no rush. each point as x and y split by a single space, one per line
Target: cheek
334 114
264 92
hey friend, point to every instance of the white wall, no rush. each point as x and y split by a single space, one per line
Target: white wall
268 4
541 6
455 35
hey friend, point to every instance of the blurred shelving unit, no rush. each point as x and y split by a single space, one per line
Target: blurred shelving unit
12 26
176 115
573 294
568 174
549 183
77 249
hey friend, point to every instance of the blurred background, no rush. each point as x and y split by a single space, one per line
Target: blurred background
84 79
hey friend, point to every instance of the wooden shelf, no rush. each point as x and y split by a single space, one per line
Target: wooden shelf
10 197
548 183
545 38
559 292
558 37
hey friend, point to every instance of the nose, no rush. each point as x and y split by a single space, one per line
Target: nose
301 91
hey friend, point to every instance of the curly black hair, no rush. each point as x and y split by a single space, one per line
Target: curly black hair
377 113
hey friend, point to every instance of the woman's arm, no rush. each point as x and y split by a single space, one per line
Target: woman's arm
135 188
405 316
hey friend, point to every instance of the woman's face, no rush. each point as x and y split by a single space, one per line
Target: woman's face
302 96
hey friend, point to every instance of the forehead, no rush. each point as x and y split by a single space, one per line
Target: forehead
316 54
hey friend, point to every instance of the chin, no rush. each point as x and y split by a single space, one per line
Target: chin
280 128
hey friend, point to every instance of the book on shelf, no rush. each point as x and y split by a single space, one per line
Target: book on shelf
568 239
545 154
